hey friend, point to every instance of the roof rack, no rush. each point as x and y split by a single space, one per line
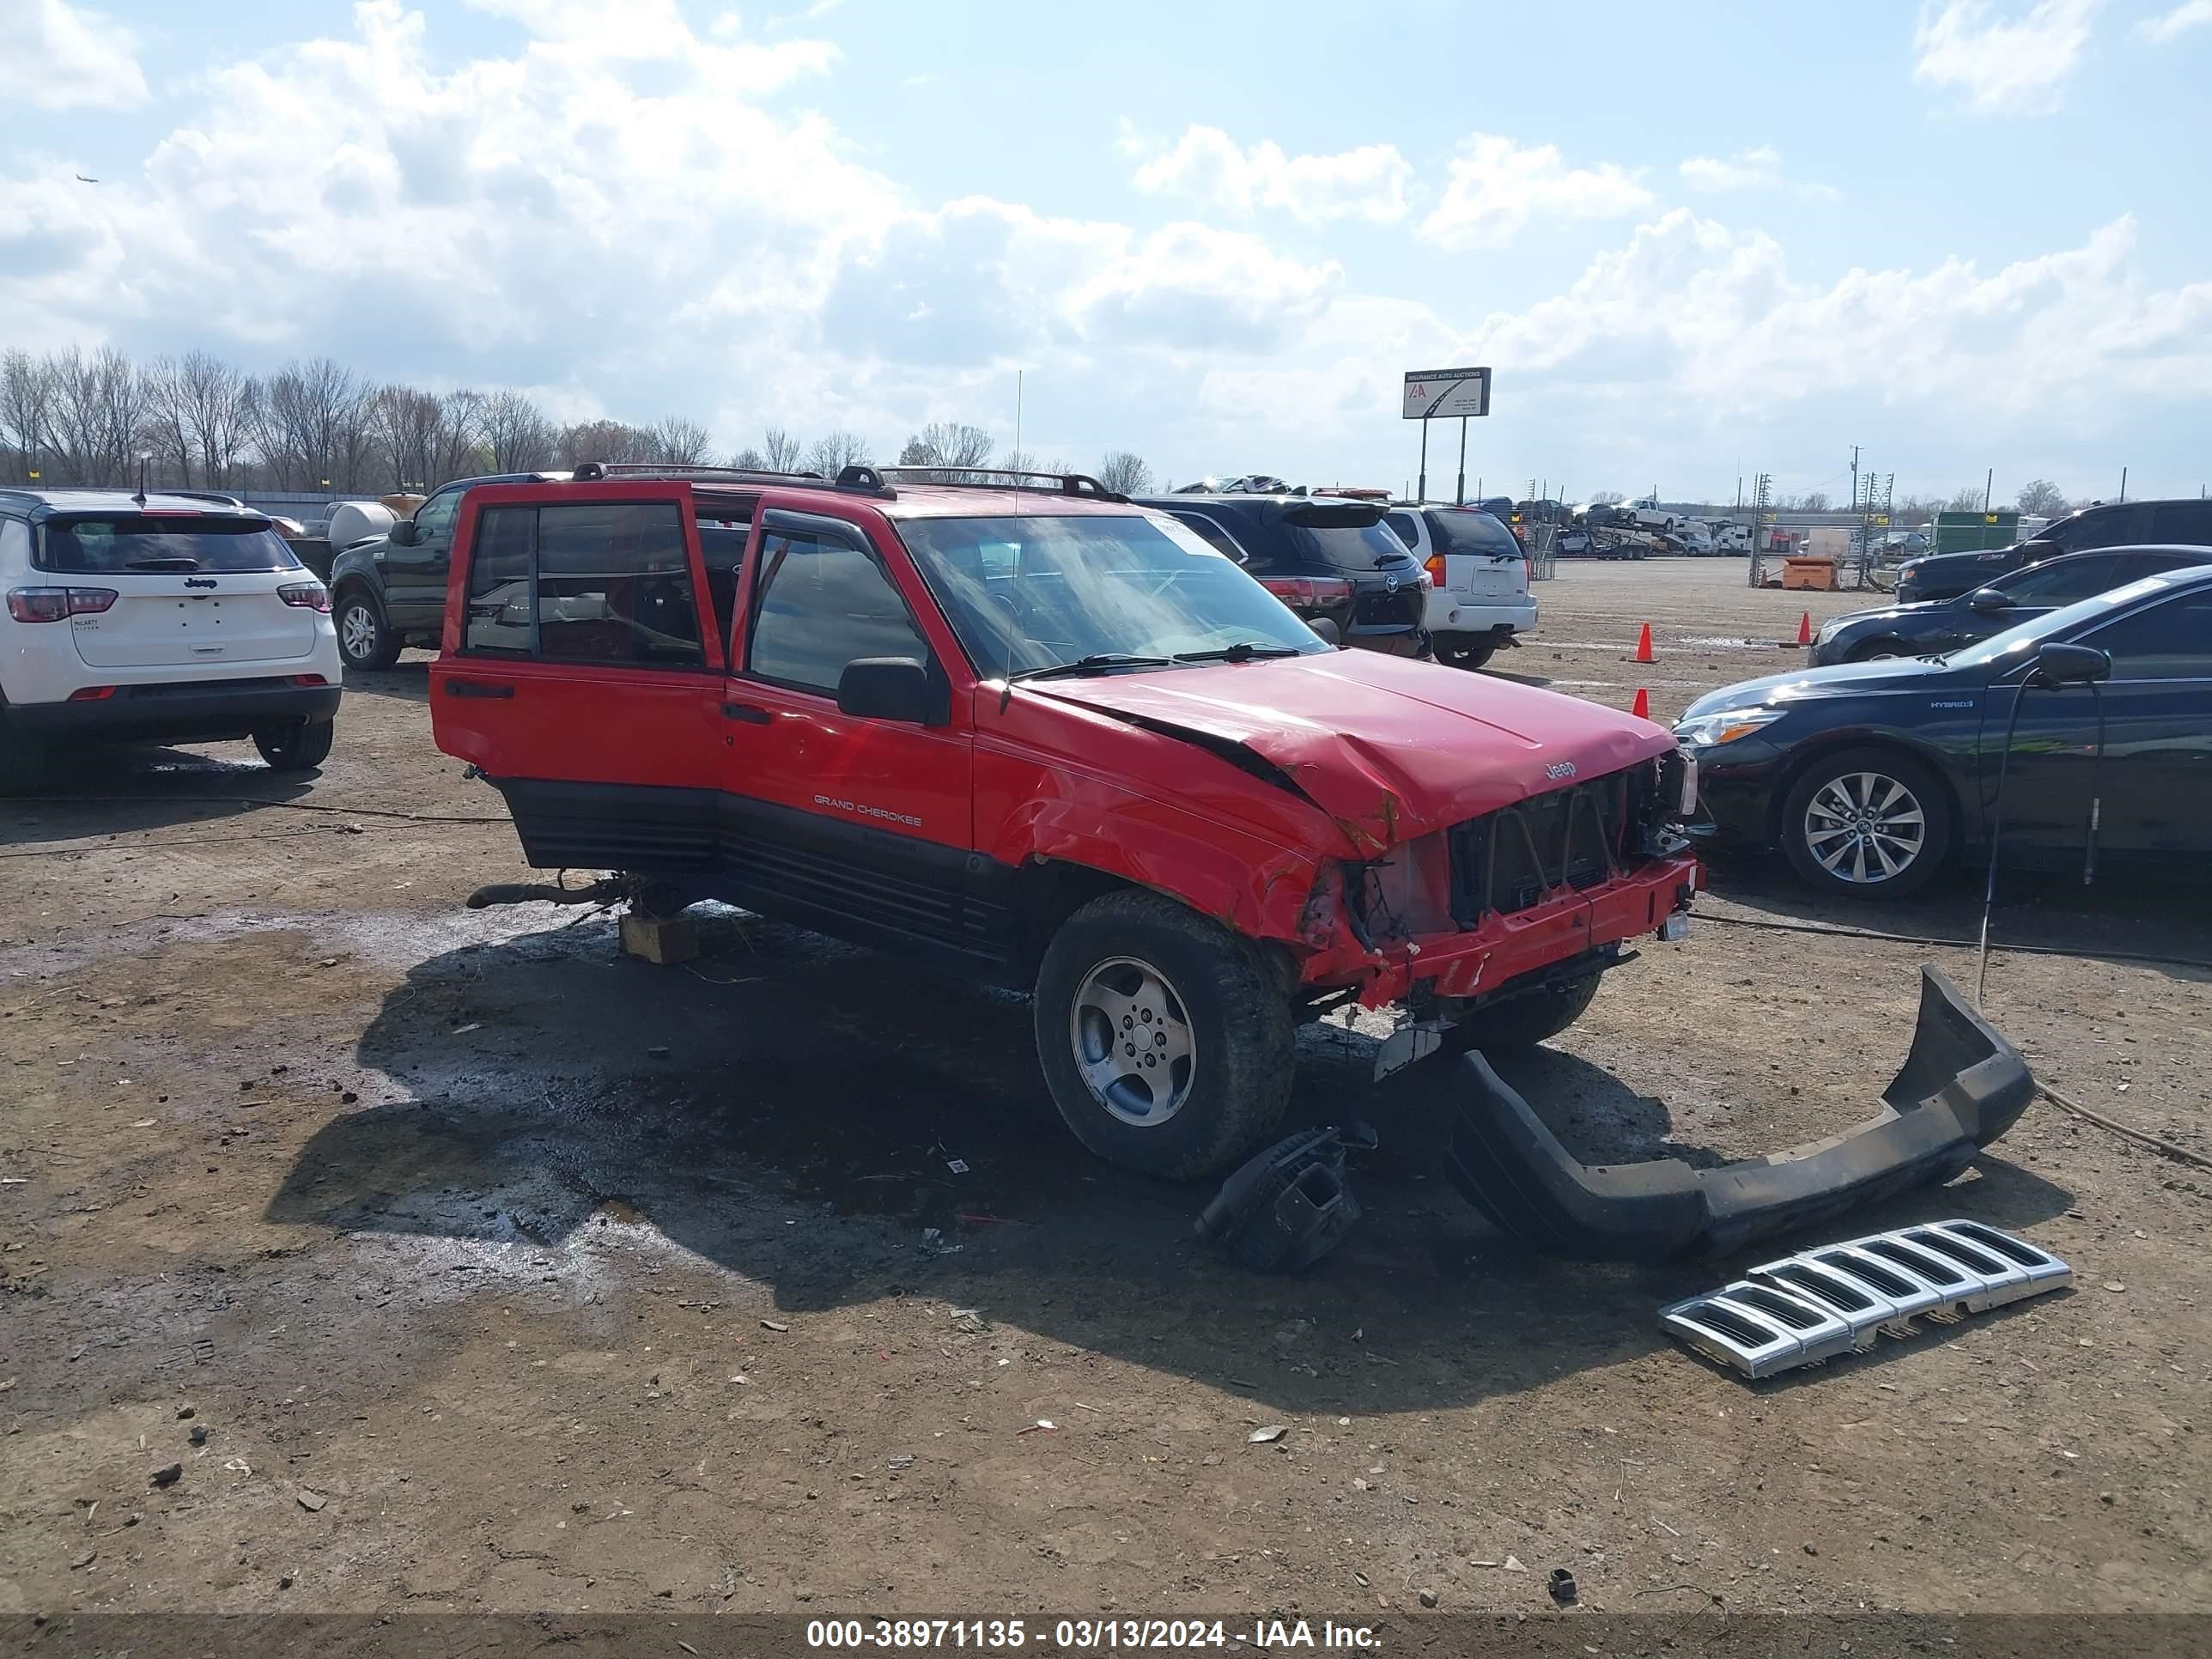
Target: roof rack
1003 478
866 479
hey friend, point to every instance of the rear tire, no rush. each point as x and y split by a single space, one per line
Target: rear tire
1523 1022
1465 650
1136 962
298 748
366 639
22 761
1853 815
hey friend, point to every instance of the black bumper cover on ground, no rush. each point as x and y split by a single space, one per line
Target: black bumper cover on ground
1962 1086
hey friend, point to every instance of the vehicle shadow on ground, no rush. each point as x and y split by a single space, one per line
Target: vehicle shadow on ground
106 790
407 680
2133 910
838 1127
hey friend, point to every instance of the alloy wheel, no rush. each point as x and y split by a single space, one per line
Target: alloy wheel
1133 1041
1865 828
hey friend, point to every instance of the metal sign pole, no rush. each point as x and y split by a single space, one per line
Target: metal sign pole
1459 495
1422 494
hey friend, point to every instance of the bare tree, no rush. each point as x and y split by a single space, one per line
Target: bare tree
682 442
99 404
404 432
1124 472
217 408
947 444
831 455
783 452
168 421
460 447
313 424
2041 499
749 459
517 434
1606 498
1968 498
27 405
602 441
1814 500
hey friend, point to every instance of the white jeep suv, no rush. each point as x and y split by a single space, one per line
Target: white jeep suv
157 618
1479 597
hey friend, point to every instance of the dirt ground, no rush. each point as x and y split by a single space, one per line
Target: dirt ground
501 1273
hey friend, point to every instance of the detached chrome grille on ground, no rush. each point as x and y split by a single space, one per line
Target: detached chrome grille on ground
1807 1308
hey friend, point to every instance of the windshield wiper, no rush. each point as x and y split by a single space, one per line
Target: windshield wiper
174 561
1242 651
1091 665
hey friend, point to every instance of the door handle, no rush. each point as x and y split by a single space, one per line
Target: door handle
476 688
750 713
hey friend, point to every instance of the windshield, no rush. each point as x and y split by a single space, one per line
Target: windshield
150 545
1474 533
2015 643
1032 592
1349 537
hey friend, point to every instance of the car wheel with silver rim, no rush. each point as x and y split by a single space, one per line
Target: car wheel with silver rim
1870 822
1166 1038
365 637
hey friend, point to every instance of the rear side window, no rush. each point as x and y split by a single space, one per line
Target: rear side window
2189 523
1213 535
149 544
2106 526
592 582
820 603
1474 533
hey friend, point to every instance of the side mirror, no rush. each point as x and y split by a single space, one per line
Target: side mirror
1987 602
1328 631
887 689
404 532
2058 663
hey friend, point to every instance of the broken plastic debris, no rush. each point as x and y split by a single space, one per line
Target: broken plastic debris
1272 1433
774 1324
957 1165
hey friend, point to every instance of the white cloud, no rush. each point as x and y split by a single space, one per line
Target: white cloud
56 56
2190 14
1208 167
2010 64
1496 188
1750 169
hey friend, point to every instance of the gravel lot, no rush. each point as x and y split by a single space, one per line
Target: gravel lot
503 1274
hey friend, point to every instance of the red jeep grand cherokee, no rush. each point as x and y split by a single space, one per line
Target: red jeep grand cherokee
1053 739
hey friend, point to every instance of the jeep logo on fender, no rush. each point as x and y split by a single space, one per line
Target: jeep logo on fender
199 581
1559 770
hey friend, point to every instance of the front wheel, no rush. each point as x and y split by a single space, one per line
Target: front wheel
1876 651
300 747
365 636
1866 823
1166 1041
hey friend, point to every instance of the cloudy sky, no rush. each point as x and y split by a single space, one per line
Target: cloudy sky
1693 240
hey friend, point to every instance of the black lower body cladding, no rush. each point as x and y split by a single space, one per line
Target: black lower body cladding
1962 1086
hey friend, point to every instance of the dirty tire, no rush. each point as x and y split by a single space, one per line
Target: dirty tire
1876 651
1525 1022
1456 655
1239 1020
1872 761
22 761
366 639
300 747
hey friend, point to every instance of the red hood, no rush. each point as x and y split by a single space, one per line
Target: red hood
1387 747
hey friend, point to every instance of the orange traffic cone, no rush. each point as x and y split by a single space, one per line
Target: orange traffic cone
1641 709
1644 645
1805 629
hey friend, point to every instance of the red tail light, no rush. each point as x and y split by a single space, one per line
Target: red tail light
38 605
1312 592
1435 567
308 596
92 693
309 680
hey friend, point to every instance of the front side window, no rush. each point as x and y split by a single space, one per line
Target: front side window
435 516
820 603
2172 641
605 582
151 545
1101 586
2188 523
2061 582
1214 535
